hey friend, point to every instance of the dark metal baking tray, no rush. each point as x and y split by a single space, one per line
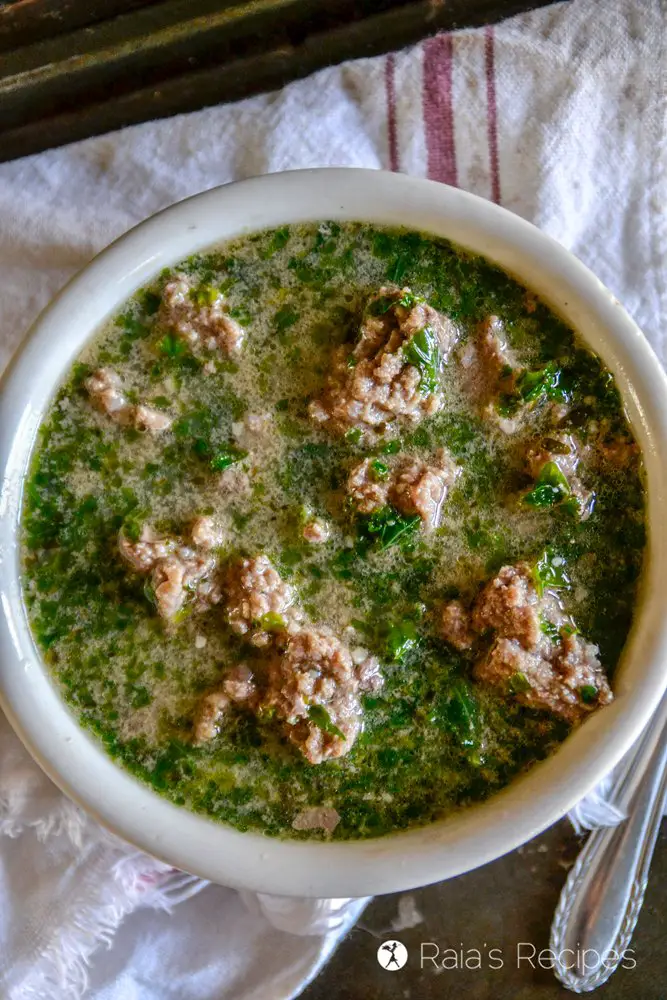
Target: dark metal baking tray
74 68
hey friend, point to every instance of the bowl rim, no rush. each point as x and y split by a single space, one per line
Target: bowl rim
402 860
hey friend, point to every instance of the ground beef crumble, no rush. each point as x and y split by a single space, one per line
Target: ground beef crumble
310 682
421 487
254 590
105 389
373 386
316 671
509 605
367 491
411 485
237 688
551 676
206 533
562 675
455 625
200 317
317 818
486 364
316 531
180 574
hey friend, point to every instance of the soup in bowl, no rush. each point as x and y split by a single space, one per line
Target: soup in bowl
333 523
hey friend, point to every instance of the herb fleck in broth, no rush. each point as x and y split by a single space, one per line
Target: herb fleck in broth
454 546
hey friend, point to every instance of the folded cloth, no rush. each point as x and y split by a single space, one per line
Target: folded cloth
67 887
558 115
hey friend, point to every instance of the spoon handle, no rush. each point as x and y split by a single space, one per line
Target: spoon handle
604 892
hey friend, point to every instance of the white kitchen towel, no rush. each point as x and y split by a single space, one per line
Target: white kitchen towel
558 115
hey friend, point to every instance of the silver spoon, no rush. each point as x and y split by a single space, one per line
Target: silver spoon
604 892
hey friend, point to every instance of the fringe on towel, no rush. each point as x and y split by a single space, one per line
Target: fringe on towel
137 880
62 968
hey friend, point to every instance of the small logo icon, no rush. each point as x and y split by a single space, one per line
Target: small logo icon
392 955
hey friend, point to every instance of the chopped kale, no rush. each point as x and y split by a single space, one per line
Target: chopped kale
519 683
386 527
544 382
589 694
551 488
401 638
551 572
319 716
423 351
224 457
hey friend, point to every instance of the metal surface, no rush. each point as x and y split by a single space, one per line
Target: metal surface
507 905
603 896
25 21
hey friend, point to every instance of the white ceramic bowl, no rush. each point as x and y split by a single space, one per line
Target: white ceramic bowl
403 860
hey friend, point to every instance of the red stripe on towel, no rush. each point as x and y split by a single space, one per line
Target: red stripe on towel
492 112
390 87
438 109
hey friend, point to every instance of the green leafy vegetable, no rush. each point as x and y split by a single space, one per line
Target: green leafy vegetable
141 697
284 318
272 622
396 271
386 527
383 245
573 506
379 469
205 295
319 716
459 713
150 301
183 613
401 638
551 488
547 382
133 328
342 564
550 629
384 303
133 523
353 435
423 351
172 347
408 299
244 316
550 570
279 239
390 448
519 683
291 557
478 536
589 694
531 387
226 457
